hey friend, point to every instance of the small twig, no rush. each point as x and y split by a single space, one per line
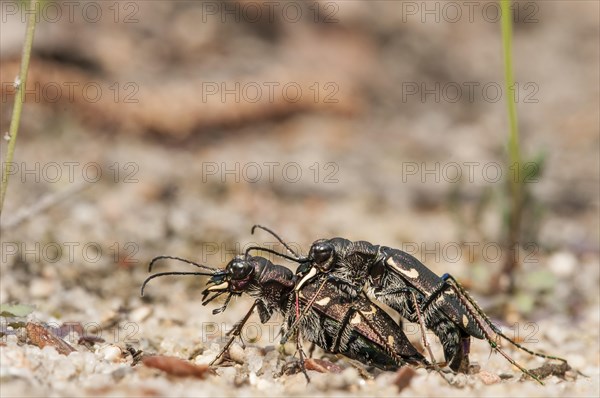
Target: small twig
43 204
19 99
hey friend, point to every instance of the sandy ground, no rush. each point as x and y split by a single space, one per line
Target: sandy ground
173 174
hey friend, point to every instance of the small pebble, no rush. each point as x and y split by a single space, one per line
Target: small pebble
227 373
577 361
172 344
111 353
41 288
255 363
264 385
252 378
296 384
459 380
324 381
350 375
90 362
140 314
237 353
204 359
50 353
562 263
121 372
488 378
64 369
78 360
11 339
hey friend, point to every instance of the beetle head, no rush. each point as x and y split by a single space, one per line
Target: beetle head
235 278
322 254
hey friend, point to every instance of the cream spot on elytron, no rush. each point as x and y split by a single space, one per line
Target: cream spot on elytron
355 319
412 273
323 301
373 311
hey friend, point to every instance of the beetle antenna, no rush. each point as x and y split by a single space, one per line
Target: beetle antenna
264 249
289 249
155 259
148 279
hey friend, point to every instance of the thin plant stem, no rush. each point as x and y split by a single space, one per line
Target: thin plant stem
19 99
513 140
514 150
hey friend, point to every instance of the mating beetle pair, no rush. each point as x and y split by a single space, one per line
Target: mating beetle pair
338 270
359 330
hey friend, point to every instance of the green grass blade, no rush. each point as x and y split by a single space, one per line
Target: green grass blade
19 99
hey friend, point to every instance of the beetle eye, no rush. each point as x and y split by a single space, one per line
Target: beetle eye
322 253
239 269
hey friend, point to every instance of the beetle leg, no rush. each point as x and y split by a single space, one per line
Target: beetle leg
301 355
235 332
424 338
434 295
294 326
311 349
466 298
482 321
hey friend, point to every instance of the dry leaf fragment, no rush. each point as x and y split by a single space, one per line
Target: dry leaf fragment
403 377
321 366
42 337
551 369
176 366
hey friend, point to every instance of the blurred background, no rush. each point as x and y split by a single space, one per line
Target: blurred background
171 127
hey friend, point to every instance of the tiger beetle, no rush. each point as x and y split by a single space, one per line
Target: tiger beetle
357 329
402 282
